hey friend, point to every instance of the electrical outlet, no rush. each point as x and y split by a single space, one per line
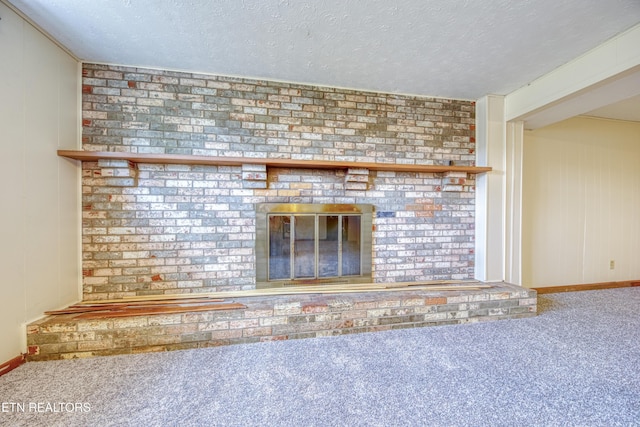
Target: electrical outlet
612 264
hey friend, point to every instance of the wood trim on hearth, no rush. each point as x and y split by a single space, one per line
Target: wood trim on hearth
587 287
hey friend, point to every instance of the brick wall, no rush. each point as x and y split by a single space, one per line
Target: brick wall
177 228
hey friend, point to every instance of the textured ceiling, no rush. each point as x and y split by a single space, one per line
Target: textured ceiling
451 48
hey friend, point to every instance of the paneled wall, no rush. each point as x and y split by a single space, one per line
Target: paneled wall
39 236
581 203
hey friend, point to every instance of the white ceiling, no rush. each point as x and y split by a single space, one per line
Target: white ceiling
462 49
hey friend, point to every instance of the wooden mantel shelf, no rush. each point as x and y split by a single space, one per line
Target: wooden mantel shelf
93 156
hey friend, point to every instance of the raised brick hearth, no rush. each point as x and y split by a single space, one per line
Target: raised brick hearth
276 318
171 228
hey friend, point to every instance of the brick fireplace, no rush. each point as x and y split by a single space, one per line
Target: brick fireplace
190 173
176 228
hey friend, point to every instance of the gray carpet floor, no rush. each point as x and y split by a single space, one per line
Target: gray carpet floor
576 364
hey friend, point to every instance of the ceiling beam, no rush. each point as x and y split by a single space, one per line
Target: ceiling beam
607 74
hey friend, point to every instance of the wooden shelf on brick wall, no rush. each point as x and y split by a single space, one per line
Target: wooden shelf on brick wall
94 156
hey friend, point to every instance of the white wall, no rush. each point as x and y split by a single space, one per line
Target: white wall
581 202
39 219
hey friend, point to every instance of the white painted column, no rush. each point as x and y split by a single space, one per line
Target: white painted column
513 202
490 189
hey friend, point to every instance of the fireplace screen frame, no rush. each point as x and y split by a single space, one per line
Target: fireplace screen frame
264 211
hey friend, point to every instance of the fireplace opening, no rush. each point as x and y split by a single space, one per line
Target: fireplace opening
299 244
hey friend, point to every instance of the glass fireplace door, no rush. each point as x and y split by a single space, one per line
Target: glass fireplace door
328 245
351 245
279 247
303 246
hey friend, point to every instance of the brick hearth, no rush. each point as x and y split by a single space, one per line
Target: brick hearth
275 318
